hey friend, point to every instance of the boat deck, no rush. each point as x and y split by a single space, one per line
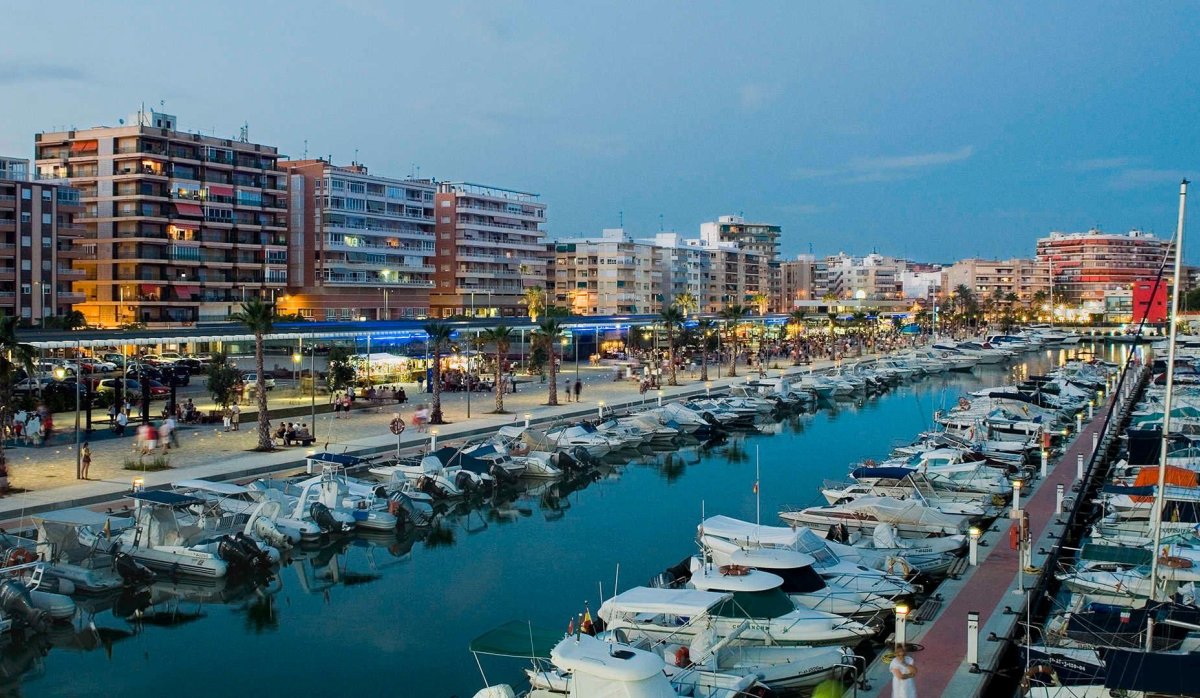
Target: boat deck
993 589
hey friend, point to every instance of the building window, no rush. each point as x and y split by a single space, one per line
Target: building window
27 194
26 265
46 195
47 219
25 217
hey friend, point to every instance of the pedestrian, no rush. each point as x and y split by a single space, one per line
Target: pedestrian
151 444
904 674
227 417
578 389
122 422
112 414
167 433
567 389
235 416
85 459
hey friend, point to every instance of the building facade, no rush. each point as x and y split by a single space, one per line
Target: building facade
38 231
1085 265
872 277
762 238
999 279
359 245
608 275
180 227
490 247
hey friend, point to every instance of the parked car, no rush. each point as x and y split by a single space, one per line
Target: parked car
169 357
117 360
132 388
30 385
193 366
250 378
165 373
90 365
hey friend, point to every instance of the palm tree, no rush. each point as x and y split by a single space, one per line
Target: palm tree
500 336
548 334
733 314
687 303
439 334
535 300
760 301
258 316
13 356
671 318
796 319
704 328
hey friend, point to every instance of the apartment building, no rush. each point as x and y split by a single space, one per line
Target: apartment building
490 247
761 238
872 277
736 276
37 235
685 268
990 279
612 274
1085 265
800 280
359 245
180 227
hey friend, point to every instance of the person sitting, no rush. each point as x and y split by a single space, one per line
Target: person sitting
303 436
281 434
289 434
401 397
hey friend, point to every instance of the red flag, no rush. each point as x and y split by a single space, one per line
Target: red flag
756 487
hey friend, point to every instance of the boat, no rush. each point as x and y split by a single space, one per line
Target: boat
910 518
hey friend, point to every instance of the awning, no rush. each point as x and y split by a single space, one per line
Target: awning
170 499
149 288
84 146
218 190
517 638
189 209
187 292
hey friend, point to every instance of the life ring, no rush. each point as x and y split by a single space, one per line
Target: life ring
18 556
396 426
683 658
1174 562
733 570
1044 673
895 561
870 462
964 404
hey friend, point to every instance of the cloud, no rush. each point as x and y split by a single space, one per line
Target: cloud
12 72
883 169
755 96
1096 164
1135 178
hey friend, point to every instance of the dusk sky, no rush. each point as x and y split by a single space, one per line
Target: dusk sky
920 129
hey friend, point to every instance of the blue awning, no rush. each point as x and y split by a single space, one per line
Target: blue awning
342 459
164 498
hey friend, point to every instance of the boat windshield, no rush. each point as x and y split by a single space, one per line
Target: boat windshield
772 603
799 580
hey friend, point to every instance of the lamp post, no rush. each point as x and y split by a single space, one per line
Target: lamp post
901 624
387 314
1016 502
973 554
312 370
296 358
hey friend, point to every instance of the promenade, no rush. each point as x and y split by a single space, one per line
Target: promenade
43 478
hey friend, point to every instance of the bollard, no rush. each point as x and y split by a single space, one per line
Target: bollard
973 550
1091 409
433 439
1016 501
973 640
901 624
708 389
600 409
1058 500
1095 441
1078 422
527 416
1079 467
1045 460
660 394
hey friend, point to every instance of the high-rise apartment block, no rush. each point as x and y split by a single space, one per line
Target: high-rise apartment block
360 245
490 248
180 227
1085 265
998 279
762 238
37 235
607 275
872 277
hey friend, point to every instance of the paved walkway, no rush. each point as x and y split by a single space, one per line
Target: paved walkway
987 589
45 477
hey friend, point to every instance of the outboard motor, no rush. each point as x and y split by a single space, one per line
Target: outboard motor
581 455
14 599
464 482
712 421
500 475
253 550
131 571
409 511
323 517
233 553
269 532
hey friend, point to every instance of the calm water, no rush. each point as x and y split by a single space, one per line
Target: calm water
397 615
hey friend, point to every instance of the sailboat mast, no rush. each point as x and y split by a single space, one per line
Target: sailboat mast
1159 498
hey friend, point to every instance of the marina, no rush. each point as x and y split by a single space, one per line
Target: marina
455 569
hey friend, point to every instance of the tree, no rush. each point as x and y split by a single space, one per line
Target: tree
439 335
761 301
535 300
222 379
14 356
671 318
72 320
339 372
500 337
796 320
259 316
733 316
687 303
705 329
547 335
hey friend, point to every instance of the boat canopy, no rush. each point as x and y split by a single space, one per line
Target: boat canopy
451 457
895 473
80 517
680 602
166 499
735 530
710 578
585 656
342 459
517 638
756 604
771 558
225 488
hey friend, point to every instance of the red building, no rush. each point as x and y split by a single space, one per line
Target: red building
1150 302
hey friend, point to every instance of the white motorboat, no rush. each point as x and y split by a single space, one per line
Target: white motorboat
908 483
911 518
89 568
442 473
249 502
165 536
579 435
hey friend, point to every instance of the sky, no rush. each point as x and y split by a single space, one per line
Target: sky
929 130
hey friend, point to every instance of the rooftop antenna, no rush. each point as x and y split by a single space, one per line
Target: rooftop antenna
305 149
244 132
621 218
660 222
356 156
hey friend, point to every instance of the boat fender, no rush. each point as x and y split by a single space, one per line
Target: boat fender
1039 675
683 658
733 570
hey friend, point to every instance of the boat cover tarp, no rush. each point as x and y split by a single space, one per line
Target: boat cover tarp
680 602
517 638
881 473
1121 555
1148 477
225 488
342 459
1168 673
451 456
170 499
737 530
77 517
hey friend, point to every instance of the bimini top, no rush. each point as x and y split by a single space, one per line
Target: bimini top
680 602
585 655
712 578
341 459
893 473
166 499
517 638
737 530
80 517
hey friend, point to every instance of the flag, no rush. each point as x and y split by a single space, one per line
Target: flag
108 528
586 626
756 487
571 627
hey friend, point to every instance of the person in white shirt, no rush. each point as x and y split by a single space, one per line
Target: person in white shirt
904 674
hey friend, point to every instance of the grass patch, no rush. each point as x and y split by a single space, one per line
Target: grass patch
148 465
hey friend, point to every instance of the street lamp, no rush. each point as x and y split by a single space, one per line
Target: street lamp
296 358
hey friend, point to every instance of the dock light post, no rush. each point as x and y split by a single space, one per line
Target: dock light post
1016 502
1078 422
1058 500
527 418
1095 441
901 624
660 395
973 551
139 484
1045 462
296 358
600 409
1079 466
433 433
1091 409
973 641
708 389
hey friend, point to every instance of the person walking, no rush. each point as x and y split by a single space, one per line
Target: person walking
904 674
227 418
167 433
578 389
235 415
85 460
122 422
